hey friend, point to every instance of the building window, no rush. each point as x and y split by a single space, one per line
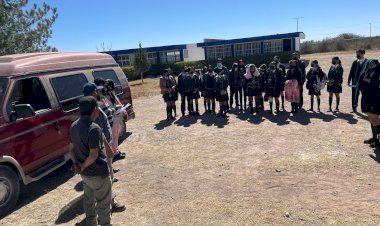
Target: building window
223 51
170 56
124 60
239 50
152 58
256 48
273 46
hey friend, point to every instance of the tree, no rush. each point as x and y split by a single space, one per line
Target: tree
25 30
141 63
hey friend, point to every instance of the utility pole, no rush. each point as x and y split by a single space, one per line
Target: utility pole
297 19
370 30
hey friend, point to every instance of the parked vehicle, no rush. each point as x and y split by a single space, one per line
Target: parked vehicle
39 95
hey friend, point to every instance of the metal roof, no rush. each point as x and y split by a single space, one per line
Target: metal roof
148 49
29 63
252 39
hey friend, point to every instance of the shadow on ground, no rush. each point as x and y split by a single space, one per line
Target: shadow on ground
70 211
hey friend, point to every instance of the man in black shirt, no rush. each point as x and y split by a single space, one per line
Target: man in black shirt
90 161
354 77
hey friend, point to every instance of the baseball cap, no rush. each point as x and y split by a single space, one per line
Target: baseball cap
90 87
87 104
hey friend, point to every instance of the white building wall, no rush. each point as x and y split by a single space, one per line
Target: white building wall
297 44
193 53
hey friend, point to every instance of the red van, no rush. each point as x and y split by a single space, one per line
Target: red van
39 95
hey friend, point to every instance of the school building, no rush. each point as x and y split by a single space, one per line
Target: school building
214 48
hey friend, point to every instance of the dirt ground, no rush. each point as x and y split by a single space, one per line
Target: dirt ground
243 170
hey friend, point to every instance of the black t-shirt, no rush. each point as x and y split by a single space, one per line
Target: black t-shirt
86 135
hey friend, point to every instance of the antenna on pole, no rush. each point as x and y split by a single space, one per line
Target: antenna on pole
297 19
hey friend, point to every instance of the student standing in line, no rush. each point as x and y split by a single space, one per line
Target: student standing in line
335 80
315 80
168 90
353 78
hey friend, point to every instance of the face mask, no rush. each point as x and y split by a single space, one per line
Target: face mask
272 67
358 57
333 62
312 65
219 65
210 70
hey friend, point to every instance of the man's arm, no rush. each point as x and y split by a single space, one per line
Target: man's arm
94 152
109 151
352 72
71 153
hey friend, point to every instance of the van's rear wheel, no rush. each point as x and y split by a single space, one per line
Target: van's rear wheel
9 189
122 131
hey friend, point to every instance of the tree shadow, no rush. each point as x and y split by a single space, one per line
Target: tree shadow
186 121
163 124
71 210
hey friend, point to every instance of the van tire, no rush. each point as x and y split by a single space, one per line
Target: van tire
9 189
122 132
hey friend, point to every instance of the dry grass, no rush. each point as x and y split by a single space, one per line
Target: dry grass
150 87
244 170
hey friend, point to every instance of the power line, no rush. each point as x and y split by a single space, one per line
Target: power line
297 19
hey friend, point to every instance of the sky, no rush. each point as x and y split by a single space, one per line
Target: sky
83 25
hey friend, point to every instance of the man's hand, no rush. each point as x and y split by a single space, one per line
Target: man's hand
77 168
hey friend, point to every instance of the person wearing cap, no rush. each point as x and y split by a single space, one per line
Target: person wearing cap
241 86
275 81
168 86
335 80
302 67
315 80
221 81
263 84
233 76
282 67
353 78
209 89
92 90
90 161
181 89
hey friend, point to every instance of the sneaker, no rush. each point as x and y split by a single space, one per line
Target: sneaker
115 170
369 141
375 145
114 180
220 114
337 110
120 155
118 208
330 110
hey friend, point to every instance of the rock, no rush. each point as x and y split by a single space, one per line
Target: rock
287 214
278 171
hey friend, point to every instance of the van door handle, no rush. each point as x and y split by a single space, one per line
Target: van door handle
57 125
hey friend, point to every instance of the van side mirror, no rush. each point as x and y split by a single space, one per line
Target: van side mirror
22 111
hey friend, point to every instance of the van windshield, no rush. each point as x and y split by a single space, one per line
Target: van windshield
3 87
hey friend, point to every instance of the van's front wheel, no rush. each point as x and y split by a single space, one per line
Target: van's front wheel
9 189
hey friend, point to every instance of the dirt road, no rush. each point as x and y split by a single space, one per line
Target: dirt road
244 170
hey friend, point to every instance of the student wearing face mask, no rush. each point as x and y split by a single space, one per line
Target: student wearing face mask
181 89
353 77
191 88
315 82
371 98
335 80
292 88
209 89
221 93
301 66
241 86
263 84
275 82
252 79
282 67
168 90
233 76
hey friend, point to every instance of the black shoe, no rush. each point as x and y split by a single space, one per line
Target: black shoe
311 109
115 170
336 109
369 141
375 145
120 155
114 180
118 208
220 114
330 110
